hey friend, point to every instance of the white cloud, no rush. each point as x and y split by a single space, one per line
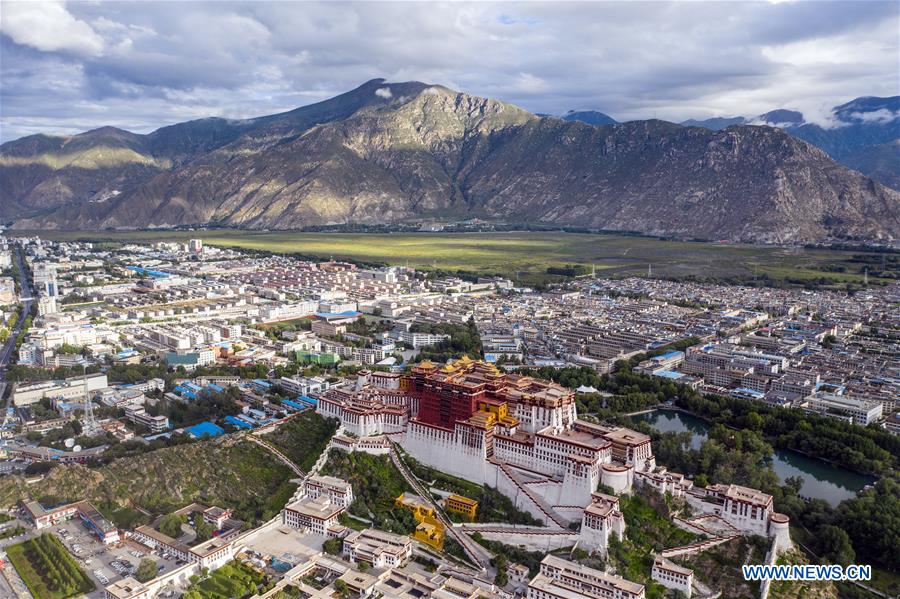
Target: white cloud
384 92
882 115
49 27
151 63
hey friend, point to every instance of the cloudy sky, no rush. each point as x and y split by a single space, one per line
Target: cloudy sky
72 66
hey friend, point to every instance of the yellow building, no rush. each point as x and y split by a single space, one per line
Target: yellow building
461 505
431 534
420 508
429 530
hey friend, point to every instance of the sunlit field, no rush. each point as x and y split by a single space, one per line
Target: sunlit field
526 255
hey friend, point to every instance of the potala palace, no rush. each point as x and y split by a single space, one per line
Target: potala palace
523 437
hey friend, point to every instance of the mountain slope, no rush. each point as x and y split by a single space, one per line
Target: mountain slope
863 134
388 152
39 172
591 117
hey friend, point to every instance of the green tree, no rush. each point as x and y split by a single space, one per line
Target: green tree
754 421
170 525
872 520
146 570
203 529
333 546
834 543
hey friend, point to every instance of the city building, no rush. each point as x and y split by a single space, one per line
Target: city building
127 588
93 520
155 424
319 502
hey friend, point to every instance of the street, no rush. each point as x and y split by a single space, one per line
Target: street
25 299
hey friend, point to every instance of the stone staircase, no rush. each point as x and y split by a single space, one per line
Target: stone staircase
696 547
552 518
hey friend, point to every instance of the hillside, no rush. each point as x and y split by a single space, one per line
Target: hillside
222 472
392 152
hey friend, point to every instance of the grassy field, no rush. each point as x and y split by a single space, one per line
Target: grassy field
48 570
234 579
526 255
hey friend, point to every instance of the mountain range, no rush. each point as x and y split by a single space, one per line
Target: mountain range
400 152
863 134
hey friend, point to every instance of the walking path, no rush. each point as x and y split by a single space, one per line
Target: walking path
278 454
475 552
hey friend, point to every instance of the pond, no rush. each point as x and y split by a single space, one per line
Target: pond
821 480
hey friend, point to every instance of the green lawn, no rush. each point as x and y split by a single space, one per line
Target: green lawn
47 568
525 254
234 580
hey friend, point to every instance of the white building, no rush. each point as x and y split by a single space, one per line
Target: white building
854 411
377 548
127 588
137 414
748 510
338 491
322 500
562 579
602 518
672 576
71 389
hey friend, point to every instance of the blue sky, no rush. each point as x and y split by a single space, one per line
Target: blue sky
68 67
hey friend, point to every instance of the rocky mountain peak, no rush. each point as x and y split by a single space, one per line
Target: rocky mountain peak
388 152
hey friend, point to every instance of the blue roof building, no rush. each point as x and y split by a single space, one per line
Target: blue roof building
238 423
205 429
668 374
261 384
292 405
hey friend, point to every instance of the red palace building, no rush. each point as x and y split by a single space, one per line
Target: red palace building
453 393
450 394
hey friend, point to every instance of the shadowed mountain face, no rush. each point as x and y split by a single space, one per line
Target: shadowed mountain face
591 117
864 134
389 152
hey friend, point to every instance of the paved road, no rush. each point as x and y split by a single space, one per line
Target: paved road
25 308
